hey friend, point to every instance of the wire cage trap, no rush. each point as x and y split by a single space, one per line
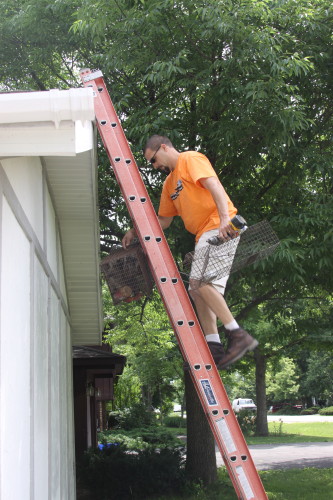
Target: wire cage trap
127 273
213 262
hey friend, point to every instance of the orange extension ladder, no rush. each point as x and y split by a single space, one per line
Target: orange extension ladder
193 346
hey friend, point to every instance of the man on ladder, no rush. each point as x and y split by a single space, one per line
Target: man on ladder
193 191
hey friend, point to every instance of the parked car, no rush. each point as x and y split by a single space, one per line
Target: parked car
243 404
285 406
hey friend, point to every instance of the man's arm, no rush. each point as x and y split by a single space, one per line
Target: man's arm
164 221
131 233
219 195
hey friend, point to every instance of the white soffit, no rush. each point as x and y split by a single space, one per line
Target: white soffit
72 182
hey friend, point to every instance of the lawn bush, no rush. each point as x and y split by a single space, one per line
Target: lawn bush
130 418
115 472
118 438
138 439
156 436
326 411
288 410
175 421
313 410
247 421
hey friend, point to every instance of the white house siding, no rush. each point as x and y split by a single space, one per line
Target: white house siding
15 380
36 401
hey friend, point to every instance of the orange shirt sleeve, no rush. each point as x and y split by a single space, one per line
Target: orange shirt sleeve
200 168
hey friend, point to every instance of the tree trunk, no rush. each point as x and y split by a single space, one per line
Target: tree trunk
147 397
261 423
200 452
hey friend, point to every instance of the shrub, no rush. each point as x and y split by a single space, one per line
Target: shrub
247 421
326 411
288 410
310 411
117 438
175 421
114 473
138 439
157 436
130 418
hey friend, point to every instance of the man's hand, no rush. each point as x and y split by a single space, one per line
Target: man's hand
128 238
226 232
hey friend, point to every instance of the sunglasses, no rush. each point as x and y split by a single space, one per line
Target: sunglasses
153 159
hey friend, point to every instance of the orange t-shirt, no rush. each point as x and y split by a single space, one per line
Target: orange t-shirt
183 195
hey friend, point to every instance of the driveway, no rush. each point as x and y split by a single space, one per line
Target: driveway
288 419
289 456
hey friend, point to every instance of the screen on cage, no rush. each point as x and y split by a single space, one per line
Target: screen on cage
127 273
213 262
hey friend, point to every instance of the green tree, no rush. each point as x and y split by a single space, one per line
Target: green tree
142 333
316 383
282 381
127 390
250 84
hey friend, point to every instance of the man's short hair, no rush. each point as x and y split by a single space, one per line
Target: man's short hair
155 141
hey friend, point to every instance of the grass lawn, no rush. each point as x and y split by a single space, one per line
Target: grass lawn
286 433
295 433
298 484
292 484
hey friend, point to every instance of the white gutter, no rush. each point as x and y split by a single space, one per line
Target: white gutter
52 105
48 123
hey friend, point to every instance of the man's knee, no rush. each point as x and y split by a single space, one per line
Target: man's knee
195 290
193 293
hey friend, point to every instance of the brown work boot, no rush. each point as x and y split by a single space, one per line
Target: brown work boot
239 343
217 351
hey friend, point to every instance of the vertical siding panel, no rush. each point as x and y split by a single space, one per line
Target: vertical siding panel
15 359
64 389
32 369
70 419
1 287
40 382
54 389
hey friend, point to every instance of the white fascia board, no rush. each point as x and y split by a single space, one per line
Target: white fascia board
50 123
44 139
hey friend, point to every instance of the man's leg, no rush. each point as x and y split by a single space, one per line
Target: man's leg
210 304
208 324
207 294
205 314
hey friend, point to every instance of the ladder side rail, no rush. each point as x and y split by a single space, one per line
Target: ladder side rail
188 338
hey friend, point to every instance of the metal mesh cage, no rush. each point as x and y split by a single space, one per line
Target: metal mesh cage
127 273
213 262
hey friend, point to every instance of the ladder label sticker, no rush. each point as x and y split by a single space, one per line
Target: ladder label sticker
244 483
226 435
209 393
